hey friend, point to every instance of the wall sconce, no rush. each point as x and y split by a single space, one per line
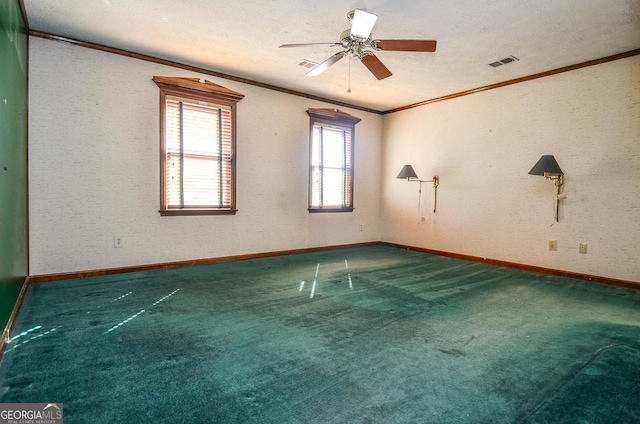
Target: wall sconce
408 173
549 168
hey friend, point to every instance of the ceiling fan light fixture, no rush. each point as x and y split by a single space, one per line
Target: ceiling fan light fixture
362 23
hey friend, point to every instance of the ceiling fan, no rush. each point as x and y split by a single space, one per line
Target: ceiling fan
357 41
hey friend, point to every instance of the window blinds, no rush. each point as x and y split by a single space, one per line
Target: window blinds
331 167
198 154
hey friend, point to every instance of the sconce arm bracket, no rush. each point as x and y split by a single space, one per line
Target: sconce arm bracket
556 178
435 180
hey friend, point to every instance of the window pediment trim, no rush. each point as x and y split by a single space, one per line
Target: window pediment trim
195 84
333 115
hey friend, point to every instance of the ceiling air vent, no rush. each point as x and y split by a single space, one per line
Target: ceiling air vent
504 61
307 63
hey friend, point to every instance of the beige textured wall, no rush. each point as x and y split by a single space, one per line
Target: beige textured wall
94 170
483 146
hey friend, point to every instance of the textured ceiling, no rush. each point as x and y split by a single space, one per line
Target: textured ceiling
241 38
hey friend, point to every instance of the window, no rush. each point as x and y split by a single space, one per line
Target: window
197 147
331 160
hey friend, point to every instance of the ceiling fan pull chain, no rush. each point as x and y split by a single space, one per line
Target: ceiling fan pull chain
349 87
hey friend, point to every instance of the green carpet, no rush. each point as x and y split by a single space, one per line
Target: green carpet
364 335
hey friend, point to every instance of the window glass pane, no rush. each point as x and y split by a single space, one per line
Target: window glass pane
201 181
172 126
332 187
315 145
333 148
200 132
172 185
316 187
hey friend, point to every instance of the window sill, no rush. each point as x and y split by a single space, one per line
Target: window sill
196 212
325 210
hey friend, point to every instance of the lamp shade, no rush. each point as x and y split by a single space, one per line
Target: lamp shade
548 164
407 172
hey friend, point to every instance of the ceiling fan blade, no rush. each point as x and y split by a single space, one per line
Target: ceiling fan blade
362 23
407 45
376 67
310 44
324 65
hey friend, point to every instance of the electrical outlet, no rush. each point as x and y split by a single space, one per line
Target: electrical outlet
118 241
553 245
583 248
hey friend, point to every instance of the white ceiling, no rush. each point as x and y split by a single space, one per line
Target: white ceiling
241 38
